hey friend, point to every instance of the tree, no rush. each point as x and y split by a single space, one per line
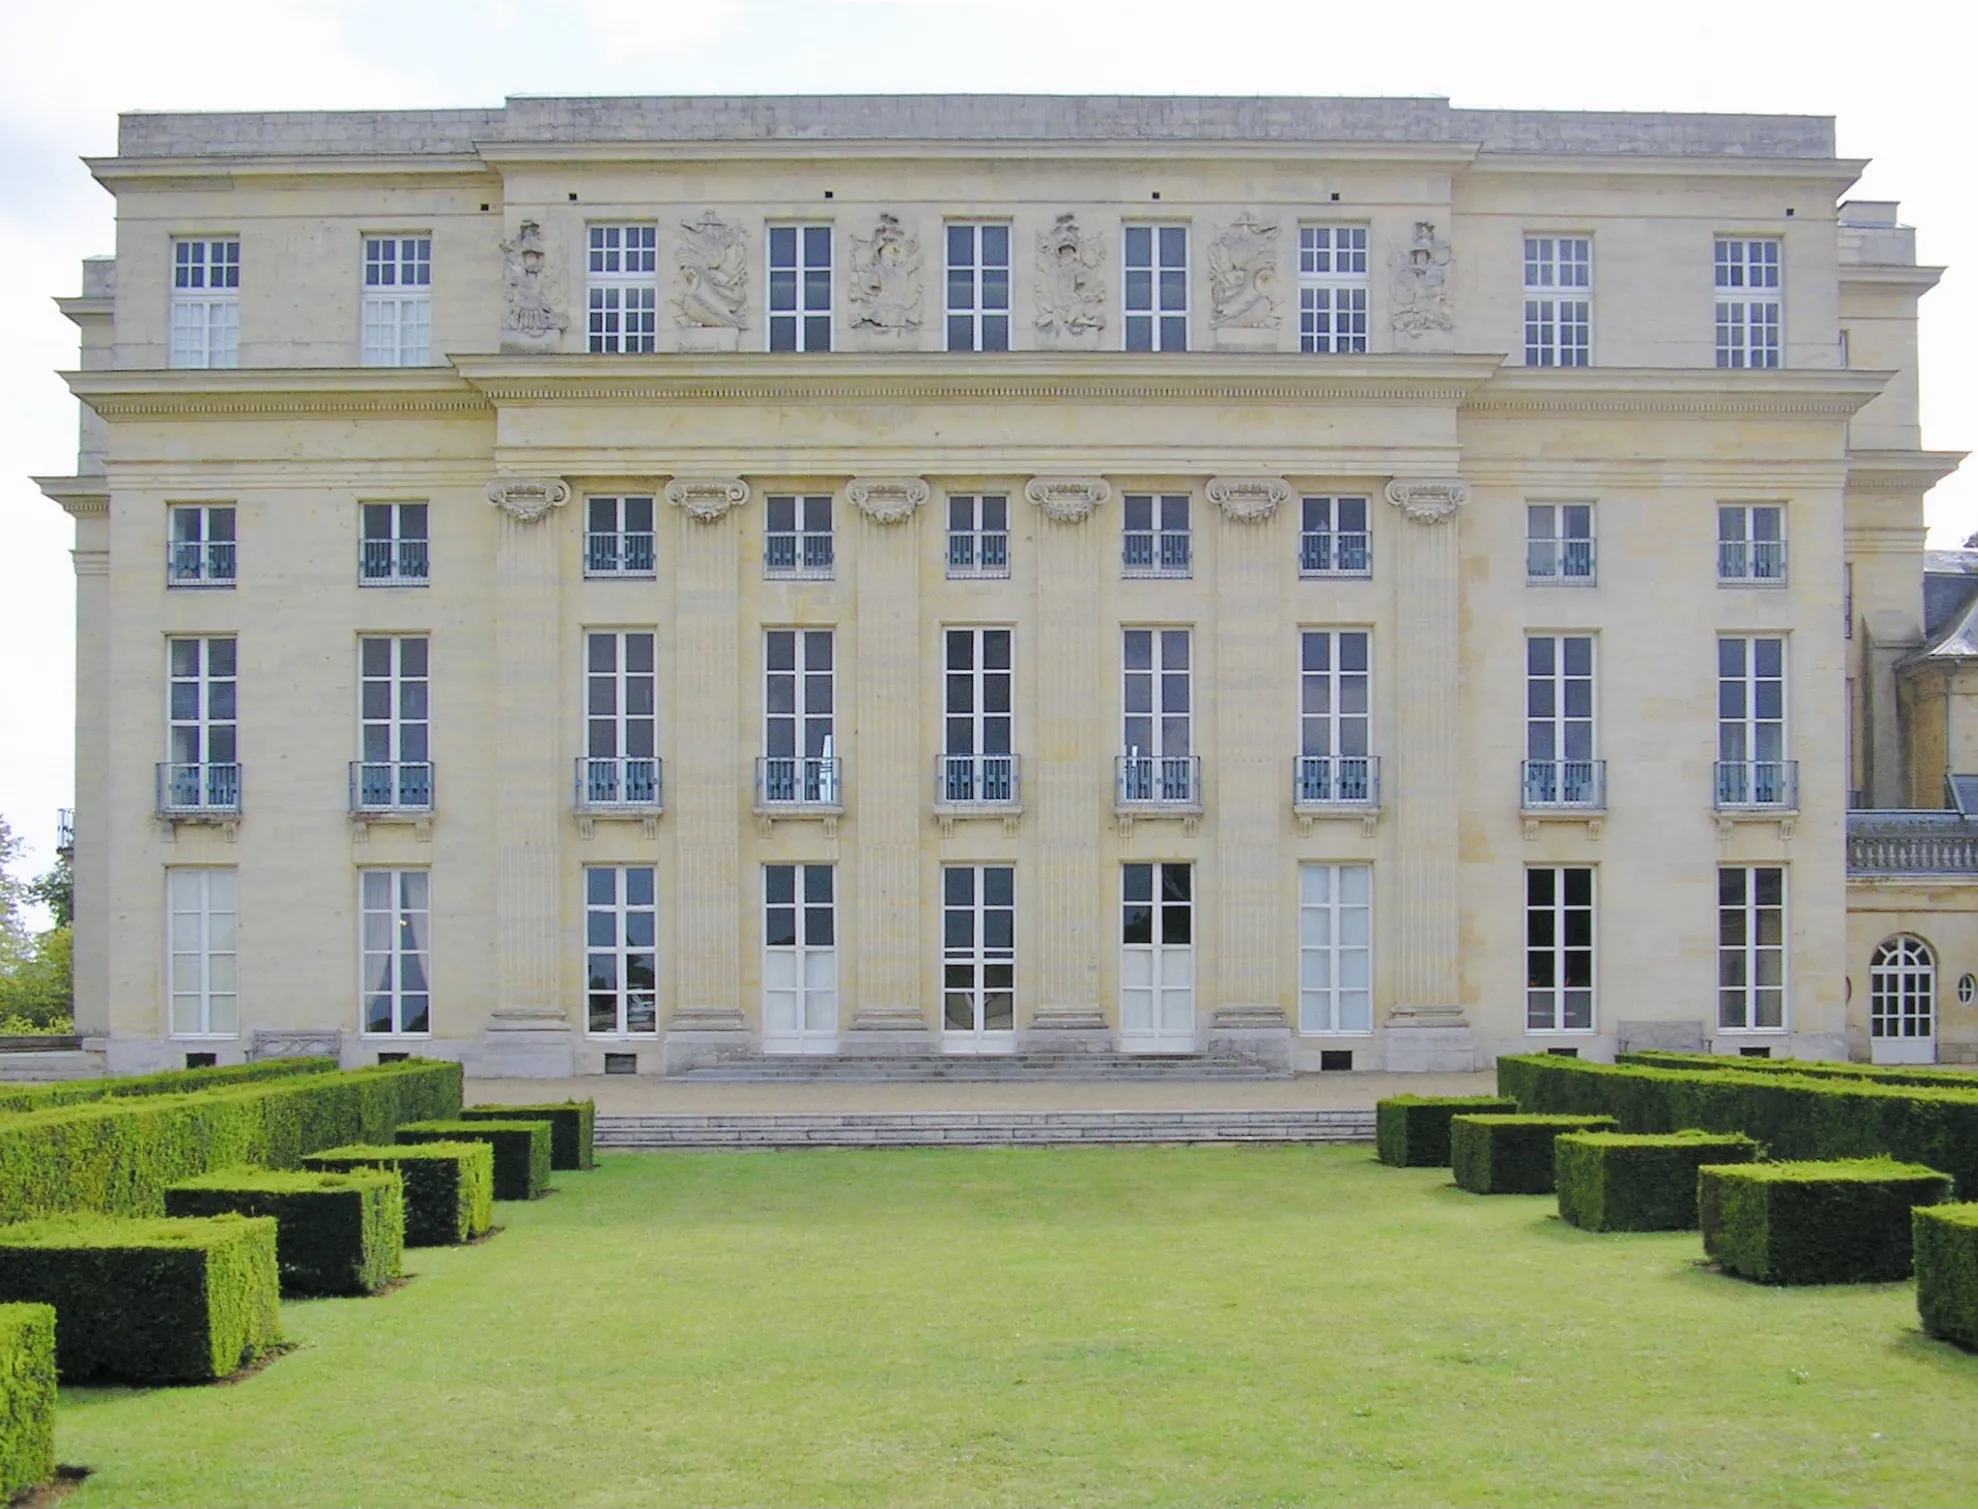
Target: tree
57 891
37 977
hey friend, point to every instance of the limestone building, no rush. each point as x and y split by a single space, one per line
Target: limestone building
621 583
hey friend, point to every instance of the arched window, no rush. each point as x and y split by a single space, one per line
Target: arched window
1902 989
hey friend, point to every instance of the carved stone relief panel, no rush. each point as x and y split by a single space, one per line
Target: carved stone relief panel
711 308
1248 500
1244 284
536 314
527 499
887 500
707 499
1420 284
1071 293
884 282
1067 500
1428 500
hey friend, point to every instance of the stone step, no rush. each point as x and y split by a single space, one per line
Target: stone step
978 1128
996 1069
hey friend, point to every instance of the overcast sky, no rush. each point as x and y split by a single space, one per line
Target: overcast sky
1896 78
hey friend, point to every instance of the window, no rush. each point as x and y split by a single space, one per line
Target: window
1751 544
1747 302
977 762
797 542
1558 301
202 546
978 536
800 288
978 949
1334 717
623 287
1157 957
1751 947
205 304
205 990
396 951
799 959
203 772
1332 288
1156 288
618 537
978 288
1752 769
1156 541
1559 544
621 942
800 763
1559 949
1560 768
394 552
1335 949
1333 539
621 721
394 769
1902 989
1157 763
398 301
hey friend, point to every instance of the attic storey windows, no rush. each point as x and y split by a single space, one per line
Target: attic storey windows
1748 302
1558 301
800 288
205 303
623 288
1156 288
398 301
1332 288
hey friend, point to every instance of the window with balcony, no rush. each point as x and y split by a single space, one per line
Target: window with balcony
1156 287
978 741
1335 949
1751 948
393 552
620 764
1558 301
1559 946
201 774
623 290
978 536
1752 768
1333 538
1748 301
394 768
621 950
978 956
205 303
799 765
1158 766
200 552
1751 544
618 537
205 951
1561 769
800 288
1559 544
797 539
1335 765
397 313
1332 288
1156 541
978 288
395 952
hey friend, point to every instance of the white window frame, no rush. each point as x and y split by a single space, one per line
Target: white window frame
201 545
1562 722
1750 954
208 734
1163 968
799 542
804 971
202 947
397 304
1747 555
1558 300
1154 293
978 955
1157 538
402 931
1749 272
978 741
799 741
1327 729
394 722
621 297
619 540
979 319
1335 950
406 557
1749 736
1326 545
978 536
1902 990
1332 289
1560 548
1550 1008
205 306
1163 729
612 927
795 305
621 694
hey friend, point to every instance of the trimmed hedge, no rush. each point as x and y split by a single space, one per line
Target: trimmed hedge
572 1129
27 1397
334 1233
1412 1131
1812 1068
70 1092
1945 1240
521 1151
449 1186
1841 1221
1796 1116
1511 1155
149 1301
119 1156
1636 1181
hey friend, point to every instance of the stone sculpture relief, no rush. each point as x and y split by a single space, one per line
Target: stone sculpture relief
706 499
1428 500
713 259
1067 500
1071 297
885 278
1421 283
535 319
1243 276
887 500
1248 500
527 499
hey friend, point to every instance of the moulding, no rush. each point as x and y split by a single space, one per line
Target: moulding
1248 500
527 499
270 391
1067 500
1428 500
888 500
79 496
706 499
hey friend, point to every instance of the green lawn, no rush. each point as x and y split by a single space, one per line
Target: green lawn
1077 1326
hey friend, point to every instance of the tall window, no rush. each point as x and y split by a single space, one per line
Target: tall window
1748 298
1157 761
1335 948
978 949
202 546
618 539
1751 947
398 301
1752 769
1332 288
799 958
1156 287
1560 766
395 762
621 943
799 744
1559 949
205 990
800 288
1559 544
394 549
978 535
1157 957
205 304
1334 716
1156 541
204 753
1333 539
978 288
396 951
623 287
1902 989
1558 301
796 540
978 763
621 721
1751 544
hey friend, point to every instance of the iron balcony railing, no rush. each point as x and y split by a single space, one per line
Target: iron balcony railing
618 781
801 556
200 563
980 555
391 786
1564 561
1335 553
1751 561
206 790
1912 843
1157 552
390 563
65 830
1335 781
1757 785
625 554
1563 785
975 780
1159 780
798 781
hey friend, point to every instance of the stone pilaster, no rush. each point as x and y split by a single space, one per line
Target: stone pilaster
90 861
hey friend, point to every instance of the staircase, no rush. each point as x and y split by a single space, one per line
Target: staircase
978 1129
949 1068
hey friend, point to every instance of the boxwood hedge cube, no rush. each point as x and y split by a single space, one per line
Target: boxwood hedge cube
27 1397
1840 1222
157 1300
1945 1239
1412 1131
1622 1181
572 1128
1511 1155
521 1151
341 1233
449 1186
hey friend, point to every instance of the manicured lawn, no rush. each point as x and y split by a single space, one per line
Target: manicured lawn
1080 1326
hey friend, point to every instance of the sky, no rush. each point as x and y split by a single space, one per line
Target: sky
1895 78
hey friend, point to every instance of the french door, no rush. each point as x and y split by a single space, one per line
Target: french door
799 959
977 718
1902 1002
1157 958
978 959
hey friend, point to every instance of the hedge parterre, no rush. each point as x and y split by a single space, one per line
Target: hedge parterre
1811 1068
1840 1221
1412 1131
149 1301
449 1186
1945 1241
340 1233
521 1151
1638 1181
69 1092
572 1129
1511 1155
27 1397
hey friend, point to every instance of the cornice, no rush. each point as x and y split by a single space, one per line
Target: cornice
1839 171
1900 471
1700 392
89 307
1892 275
272 392
78 495
156 173
502 154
